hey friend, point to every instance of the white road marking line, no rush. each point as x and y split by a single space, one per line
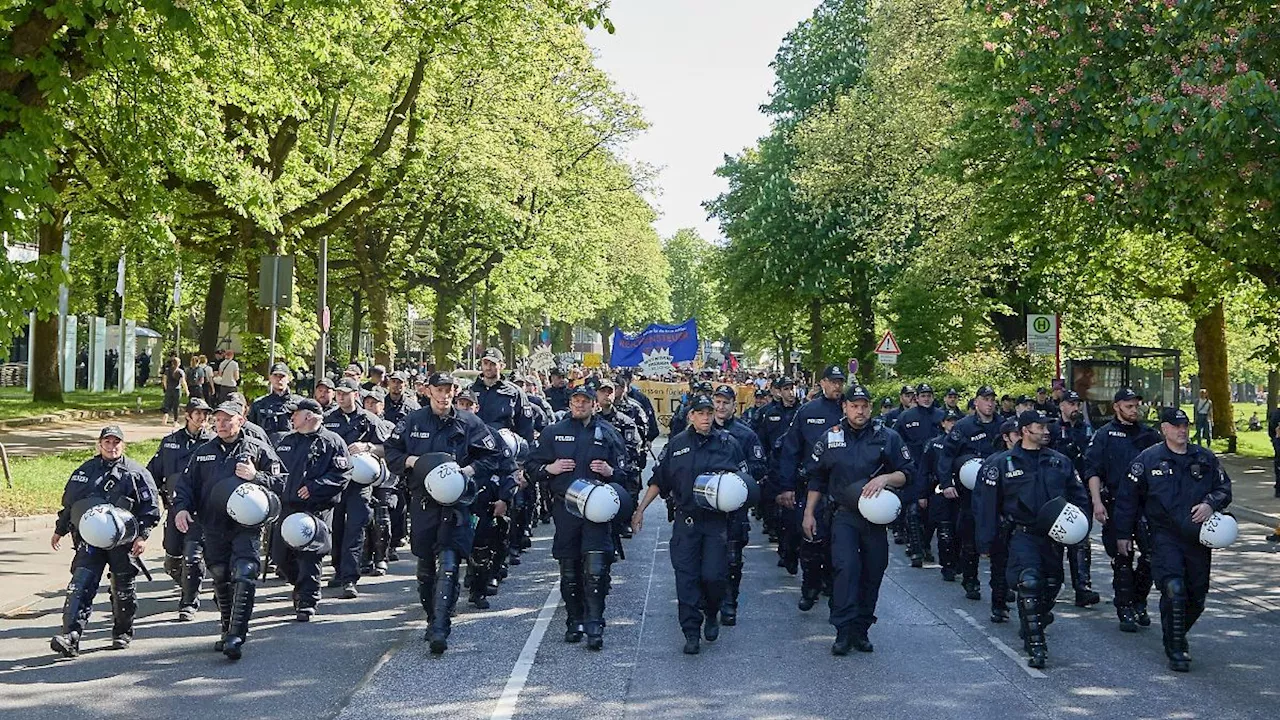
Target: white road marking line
520 673
1013 654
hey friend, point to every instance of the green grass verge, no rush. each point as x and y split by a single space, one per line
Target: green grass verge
17 403
38 482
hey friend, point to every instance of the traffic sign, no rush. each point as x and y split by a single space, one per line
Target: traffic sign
853 367
1042 334
888 345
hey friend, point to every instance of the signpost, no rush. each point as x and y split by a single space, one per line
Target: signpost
887 351
1044 337
275 290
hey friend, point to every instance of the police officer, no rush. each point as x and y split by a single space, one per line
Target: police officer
231 550
376 548
113 479
700 537
1008 410
1107 460
625 387
1044 404
726 407
363 432
318 470
1176 487
271 411
680 417
376 375
632 438
398 403
951 400
975 436
581 446
558 393
855 459
906 401
917 426
929 489
751 416
1069 435
183 560
812 420
775 421
440 535
500 404
1014 486
323 393
397 406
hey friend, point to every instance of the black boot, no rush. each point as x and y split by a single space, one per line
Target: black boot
1030 587
192 577
915 536
947 550
861 642
124 606
478 573
446 594
844 640
692 644
711 626
1174 623
571 593
1081 560
972 588
222 595
595 587
729 608
241 610
808 598
173 568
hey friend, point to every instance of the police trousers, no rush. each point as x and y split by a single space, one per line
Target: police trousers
700 557
349 519
1176 558
860 556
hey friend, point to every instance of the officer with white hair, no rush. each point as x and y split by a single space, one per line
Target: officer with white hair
231 487
109 507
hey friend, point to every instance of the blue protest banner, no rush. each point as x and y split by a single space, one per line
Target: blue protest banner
680 340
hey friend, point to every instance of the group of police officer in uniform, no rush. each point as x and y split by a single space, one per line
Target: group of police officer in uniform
466 475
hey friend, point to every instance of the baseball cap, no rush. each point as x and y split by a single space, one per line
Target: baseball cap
348 385
1071 396
985 391
952 392
111 431
305 404
380 369
702 386
952 414
833 372
556 372
605 383
727 391
1125 393
1033 416
700 402
195 404
325 382
924 388
1174 416
1008 426
784 381
887 402
761 392
399 375
907 390
1041 390
493 354
279 369
1023 398
375 392
438 378
585 390
856 392
231 408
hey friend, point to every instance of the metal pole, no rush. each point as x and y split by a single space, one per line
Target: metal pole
322 301
473 328
275 284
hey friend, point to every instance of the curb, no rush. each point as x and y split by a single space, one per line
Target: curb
26 523
1254 516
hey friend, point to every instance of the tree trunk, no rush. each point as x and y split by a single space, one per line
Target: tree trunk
357 324
46 381
507 335
1273 389
214 297
606 341
380 324
1211 351
864 312
816 360
561 337
442 343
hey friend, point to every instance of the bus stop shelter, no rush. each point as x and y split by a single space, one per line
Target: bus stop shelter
1096 372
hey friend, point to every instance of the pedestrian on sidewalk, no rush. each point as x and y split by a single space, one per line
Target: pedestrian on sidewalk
174 381
1273 431
109 478
226 378
1204 419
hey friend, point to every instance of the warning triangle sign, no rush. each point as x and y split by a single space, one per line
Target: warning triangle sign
888 345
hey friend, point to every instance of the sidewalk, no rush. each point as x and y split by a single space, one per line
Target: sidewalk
1253 484
79 435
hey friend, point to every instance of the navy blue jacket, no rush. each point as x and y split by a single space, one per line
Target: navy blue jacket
1166 485
1014 484
843 457
171 460
123 483
215 461
393 410
690 454
271 413
504 405
1112 450
917 426
558 398
812 420
459 433
775 421
1070 439
970 438
318 462
359 426
651 429
581 442
747 439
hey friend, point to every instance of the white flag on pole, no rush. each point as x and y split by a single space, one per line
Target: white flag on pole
120 276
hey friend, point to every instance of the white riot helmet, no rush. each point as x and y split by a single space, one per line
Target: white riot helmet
1062 521
518 446
881 508
722 491
1219 531
445 483
305 532
969 472
106 526
366 469
249 504
592 500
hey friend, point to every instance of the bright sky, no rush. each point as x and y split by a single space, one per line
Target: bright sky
700 69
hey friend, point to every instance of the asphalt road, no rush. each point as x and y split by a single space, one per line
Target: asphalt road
936 654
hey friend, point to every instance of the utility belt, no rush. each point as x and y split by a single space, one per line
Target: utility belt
684 517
